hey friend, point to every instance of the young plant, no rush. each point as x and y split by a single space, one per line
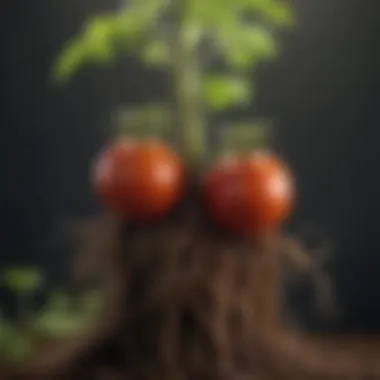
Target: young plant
189 38
15 346
56 319
23 282
59 318
16 340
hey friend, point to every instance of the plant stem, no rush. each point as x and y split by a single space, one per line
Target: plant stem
186 77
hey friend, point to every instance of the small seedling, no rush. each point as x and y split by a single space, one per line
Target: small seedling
23 282
15 346
16 340
59 318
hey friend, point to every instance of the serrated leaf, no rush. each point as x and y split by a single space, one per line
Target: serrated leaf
22 279
222 92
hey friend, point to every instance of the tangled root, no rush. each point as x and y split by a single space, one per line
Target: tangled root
187 301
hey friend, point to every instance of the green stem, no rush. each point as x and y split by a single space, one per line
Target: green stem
186 72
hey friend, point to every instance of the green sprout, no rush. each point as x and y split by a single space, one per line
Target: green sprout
57 319
22 279
23 282
15 346
15 340
60 319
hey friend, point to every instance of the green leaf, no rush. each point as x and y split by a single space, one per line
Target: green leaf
243 46
240 43
222 92
100 29
69 61
57 324
280 14
193 33
221 14
57 319
22 279
135 21
212 14
104 36
15 346
156 53
95 44
275 12
59 302
243 136
150 7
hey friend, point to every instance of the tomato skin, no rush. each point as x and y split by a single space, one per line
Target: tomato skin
141 180
249 194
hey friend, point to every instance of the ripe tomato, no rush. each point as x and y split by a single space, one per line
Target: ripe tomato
249 194
141 180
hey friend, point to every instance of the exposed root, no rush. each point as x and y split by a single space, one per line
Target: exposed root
184 301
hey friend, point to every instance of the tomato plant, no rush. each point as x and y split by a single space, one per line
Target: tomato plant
141 180
249 194
239 33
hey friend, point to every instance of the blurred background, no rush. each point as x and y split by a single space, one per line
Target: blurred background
322 95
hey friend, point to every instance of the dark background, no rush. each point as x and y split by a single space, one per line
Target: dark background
322 95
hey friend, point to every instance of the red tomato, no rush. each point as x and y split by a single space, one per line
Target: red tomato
142 180
250 194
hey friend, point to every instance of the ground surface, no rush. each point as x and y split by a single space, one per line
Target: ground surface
364 348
